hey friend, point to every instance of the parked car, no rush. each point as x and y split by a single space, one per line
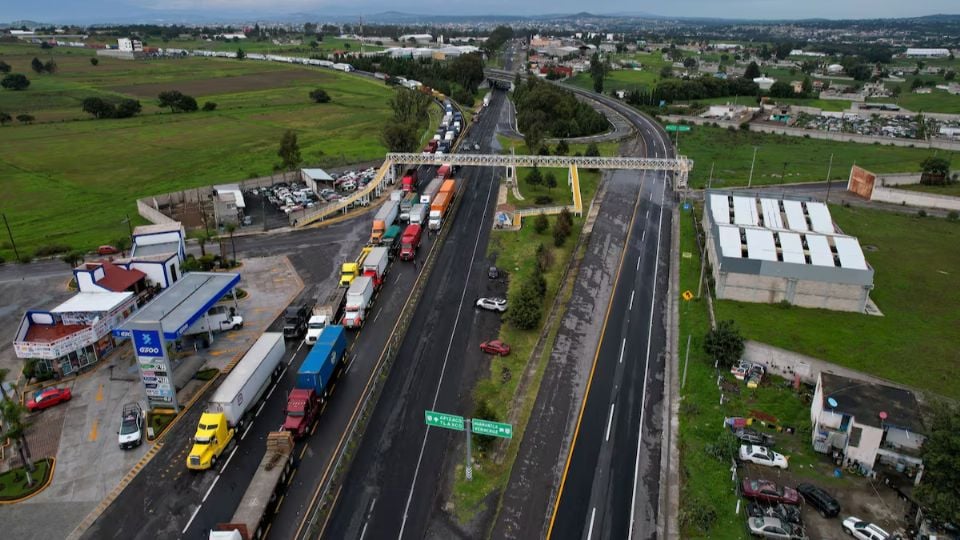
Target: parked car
819 499
864 530
107 250
493 272
48 397
783 512
131 426
762 455
771 527
767 491
495 347
492 304
752 436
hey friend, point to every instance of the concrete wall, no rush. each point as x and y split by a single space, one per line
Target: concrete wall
898 179
802 293
915 198
151 214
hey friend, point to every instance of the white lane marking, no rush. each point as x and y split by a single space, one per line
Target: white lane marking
215 480
643 236
631 300
227 462
623 347
593 514
246 431
609 423
260 408
396 280
443 368
646 374
638 263
192 516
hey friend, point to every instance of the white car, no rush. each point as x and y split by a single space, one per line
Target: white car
131 426
863 530
492 304
762 456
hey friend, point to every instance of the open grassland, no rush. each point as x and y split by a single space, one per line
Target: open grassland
328 45
72 182
938 101
915 342
807 160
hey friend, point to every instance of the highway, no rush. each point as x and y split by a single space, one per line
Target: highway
392 484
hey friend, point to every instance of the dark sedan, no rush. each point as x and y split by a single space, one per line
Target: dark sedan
819 499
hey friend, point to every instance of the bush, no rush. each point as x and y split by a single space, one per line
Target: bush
543 199
698 514
484 411
209 106
922 213
526 307
51 249
724 343
540 224
544 258
724 448
559 234
953 215
745 126
320 95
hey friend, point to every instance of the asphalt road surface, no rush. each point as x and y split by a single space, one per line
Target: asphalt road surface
391 487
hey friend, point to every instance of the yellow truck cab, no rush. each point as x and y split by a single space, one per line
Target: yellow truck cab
352 269
212 437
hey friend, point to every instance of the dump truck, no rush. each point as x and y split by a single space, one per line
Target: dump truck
426 196
385 217
230 406
350 270
325 313
410 242
323 361
359 298
375 265
251 520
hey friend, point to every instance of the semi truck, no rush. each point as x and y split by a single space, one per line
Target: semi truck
325 313
426 196
410 242
237 396
385 217
251 520
359 297
375 265
419 213
323 362
444 171
441 204
391 240
408 182
350 270
295 321
303 407
406 204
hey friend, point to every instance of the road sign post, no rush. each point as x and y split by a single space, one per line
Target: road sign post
444 420
469 456
675 127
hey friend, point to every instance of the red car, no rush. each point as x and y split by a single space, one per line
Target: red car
767 491
48 397
495 347
107 250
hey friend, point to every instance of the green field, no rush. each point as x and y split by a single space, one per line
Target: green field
914 343
72 182
952 190
329 45
806 160
937 101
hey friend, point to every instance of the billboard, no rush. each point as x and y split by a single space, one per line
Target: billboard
148 343
156 374
861 182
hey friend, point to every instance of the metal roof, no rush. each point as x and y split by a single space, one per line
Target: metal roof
317 174
820 253
720 207
144 250
92 302
796 220
771 213
851 256
792 248
730 241
820 218
183 303
745 211
760 245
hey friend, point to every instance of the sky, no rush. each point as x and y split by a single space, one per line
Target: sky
106 10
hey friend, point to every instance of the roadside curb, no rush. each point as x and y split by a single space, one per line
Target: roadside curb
53 469
669 504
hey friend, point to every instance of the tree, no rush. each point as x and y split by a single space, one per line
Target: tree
50 66
25 118
4 118
592 150
724 343
533 136
209 106
231 227
752 71
127 108
666 72
98 107
289 150
4 67
320 95
535 177
11 418
690 62
526 307
169 98
400 136
550 180
950 75
187 104
781 89
935 170
562 148
15 81
540 224
37 65
938 493
807 87
240 54
72 258
94 61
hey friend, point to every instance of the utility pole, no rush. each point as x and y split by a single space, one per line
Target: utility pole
710 181
752 163
829 183
10 234
469 430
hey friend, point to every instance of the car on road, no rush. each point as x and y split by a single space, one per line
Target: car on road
492 304
863 530
819 499
752 436
131 426
771 527
48 397
767 491
762 455
107 250
495 347
493 272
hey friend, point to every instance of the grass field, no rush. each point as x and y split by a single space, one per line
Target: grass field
914 343
329 45
13 483
952 190
72 182
806 160
937 101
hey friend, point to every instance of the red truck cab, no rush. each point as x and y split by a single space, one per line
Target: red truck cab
409 242
409 181
302 409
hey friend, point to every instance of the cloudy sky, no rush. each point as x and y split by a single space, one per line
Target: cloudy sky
67 10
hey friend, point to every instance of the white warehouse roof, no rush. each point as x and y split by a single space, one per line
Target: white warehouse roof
87 302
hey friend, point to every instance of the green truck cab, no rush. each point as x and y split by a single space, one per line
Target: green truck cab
211 439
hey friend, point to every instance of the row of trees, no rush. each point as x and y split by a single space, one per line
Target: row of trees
23 118
671 90
101 108
40 67
410 117
545 110
458 78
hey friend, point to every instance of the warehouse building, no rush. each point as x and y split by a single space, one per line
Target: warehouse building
783 250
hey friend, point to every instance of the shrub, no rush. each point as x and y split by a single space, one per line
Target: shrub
698 514
724 448
543 199
51 249
953 215
209 106
484 411
745 126
559 234
922 213
540 224
320 95
544 258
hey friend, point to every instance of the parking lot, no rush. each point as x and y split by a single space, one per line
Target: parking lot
895 126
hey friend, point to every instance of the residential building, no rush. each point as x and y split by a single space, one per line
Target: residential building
228 204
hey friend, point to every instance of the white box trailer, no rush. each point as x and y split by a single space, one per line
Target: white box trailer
418 214
426 196
359 297
245 385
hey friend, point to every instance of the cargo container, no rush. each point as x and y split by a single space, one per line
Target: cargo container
410 242
375 266
385 217
323 361
391 241
419 214
240 392
426 196
438 210
359 298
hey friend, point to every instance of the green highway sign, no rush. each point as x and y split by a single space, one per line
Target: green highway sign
675 127
444 420
493 429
